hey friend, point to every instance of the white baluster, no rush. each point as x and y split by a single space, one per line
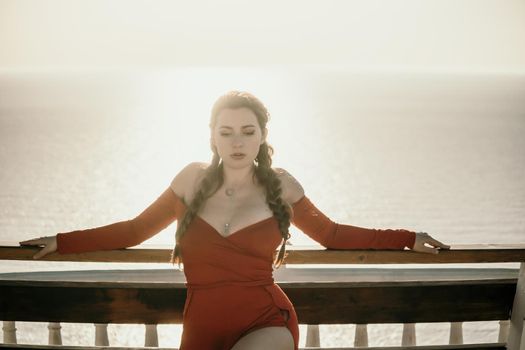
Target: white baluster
9 330
456 333
55 338
361 336
312 336
409 334
152 338
503 331
518 312
101 334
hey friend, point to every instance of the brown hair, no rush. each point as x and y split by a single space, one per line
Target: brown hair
213 175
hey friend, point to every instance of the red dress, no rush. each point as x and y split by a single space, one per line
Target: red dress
231 290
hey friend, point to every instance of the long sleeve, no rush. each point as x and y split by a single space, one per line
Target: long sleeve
332 235
156 217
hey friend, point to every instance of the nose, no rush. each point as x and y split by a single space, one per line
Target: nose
237 141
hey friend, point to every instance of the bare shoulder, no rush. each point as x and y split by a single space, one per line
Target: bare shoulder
292 189
185 182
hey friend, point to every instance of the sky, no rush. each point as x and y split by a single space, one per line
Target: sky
481 35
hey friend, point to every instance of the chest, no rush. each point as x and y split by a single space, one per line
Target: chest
228 214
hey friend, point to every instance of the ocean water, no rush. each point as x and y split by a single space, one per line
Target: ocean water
441 152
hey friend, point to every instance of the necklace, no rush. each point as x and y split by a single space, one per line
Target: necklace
229 193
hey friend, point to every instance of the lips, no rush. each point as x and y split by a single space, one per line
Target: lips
237 155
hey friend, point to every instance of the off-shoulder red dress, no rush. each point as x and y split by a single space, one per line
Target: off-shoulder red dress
230 286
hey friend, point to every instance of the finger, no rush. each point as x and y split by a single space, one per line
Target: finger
31 242
444 246
40 254
426 249
437 243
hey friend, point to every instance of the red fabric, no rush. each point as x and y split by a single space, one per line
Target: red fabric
168 207
329 234
123 234
230 279
231 291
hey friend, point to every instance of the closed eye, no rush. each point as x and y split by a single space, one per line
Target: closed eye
249 133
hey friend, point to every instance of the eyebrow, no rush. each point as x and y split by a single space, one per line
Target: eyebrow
242 127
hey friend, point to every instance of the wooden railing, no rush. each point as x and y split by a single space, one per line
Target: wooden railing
358 296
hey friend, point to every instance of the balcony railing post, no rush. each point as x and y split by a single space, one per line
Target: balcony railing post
55 337
456 333
409 334
152 338
361 335
312 336
101 334
503 334
9 330
518 312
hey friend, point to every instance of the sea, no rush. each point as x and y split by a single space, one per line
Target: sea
434 150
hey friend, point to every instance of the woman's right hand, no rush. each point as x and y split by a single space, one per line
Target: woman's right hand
49 243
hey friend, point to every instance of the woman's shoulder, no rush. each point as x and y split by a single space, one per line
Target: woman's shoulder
183 184
292 189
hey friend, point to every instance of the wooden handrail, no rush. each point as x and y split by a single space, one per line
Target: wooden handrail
472 253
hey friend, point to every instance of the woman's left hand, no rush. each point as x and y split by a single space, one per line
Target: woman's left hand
422 238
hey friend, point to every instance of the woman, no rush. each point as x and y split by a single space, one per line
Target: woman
232 216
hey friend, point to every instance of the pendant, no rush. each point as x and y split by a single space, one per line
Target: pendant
226 228
229 192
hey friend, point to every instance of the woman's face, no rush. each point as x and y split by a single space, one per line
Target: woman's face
237 137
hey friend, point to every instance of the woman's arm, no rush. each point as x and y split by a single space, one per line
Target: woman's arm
123 234
156 217
329 234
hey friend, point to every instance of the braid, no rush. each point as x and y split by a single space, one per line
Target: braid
213 179
281 210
